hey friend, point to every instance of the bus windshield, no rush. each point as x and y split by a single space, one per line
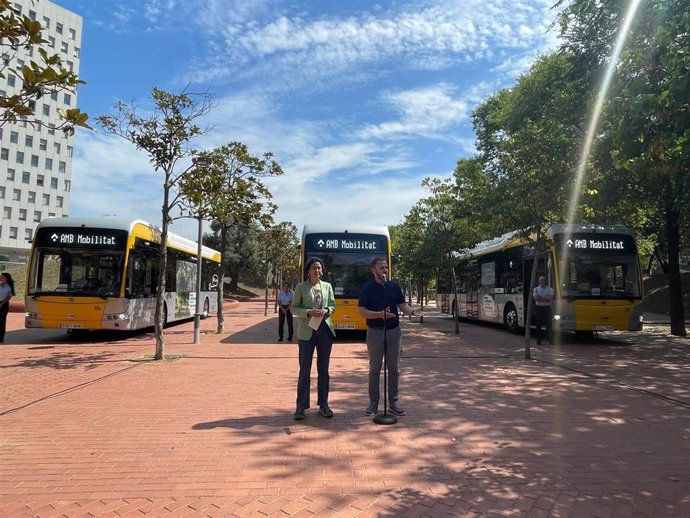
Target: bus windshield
76 272
598 265
347 273
346 257
595 275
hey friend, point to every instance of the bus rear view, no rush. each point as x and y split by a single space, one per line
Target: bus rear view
347 253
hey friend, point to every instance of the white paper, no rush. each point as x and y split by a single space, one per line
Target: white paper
315 322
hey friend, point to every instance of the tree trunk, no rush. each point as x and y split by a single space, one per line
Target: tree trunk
221 277
162 267
234 280
674 279
660 259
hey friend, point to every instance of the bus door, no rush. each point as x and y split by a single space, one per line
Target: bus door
467 278
471 308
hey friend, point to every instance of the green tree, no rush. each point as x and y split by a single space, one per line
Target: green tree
528 137
645 137
424 242
229 191
278 254
37 78
165 134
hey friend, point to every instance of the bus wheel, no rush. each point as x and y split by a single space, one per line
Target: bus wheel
510 318
205 311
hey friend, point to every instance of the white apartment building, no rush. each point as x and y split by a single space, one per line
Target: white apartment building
36 160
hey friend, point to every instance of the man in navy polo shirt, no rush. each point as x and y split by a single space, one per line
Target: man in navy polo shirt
380 301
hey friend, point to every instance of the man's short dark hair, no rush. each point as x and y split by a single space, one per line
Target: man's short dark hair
378 260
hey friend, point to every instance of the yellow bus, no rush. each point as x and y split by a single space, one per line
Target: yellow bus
347 253
594 270
102 273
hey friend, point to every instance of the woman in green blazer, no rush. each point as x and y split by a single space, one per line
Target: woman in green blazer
314 303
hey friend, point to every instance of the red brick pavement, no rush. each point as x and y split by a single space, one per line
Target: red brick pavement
90 427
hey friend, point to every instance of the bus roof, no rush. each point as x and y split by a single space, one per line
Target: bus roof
513 238
349 229
174 240
564 228
491 245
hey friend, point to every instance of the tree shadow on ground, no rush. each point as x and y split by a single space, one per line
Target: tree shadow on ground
488 431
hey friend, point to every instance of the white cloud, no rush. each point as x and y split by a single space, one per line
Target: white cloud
424 111
384 201
446 33
299 85
111 177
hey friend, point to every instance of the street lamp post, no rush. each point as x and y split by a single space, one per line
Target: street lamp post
197 311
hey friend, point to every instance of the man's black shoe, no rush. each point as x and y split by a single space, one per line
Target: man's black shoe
299 414
325 411
371 409
396 409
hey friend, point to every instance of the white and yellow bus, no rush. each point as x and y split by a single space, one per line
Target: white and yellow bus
347 253
594 270
102 273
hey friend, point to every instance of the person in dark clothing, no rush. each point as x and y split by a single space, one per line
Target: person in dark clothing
380 302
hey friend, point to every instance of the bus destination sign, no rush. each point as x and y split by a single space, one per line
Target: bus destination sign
82 238
350 243
598 242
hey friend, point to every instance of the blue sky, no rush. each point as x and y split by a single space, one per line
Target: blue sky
359 101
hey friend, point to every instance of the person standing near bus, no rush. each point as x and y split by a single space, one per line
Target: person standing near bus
313 304
6 293
380 300
542 295
285 298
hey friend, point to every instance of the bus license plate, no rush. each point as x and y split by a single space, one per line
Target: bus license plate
70 326
345 326
603 328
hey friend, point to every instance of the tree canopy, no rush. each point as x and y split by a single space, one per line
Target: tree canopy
37 77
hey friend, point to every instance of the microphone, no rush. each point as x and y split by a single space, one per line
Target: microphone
384 277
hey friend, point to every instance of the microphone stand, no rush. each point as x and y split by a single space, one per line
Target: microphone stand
385 418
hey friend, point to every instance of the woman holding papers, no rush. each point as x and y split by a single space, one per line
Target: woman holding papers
314 303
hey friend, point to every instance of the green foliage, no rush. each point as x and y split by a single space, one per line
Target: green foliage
528 138
644 142
37 78
279 252
225 186
423 244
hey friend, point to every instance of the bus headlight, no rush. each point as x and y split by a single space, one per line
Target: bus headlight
557 317
31 315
